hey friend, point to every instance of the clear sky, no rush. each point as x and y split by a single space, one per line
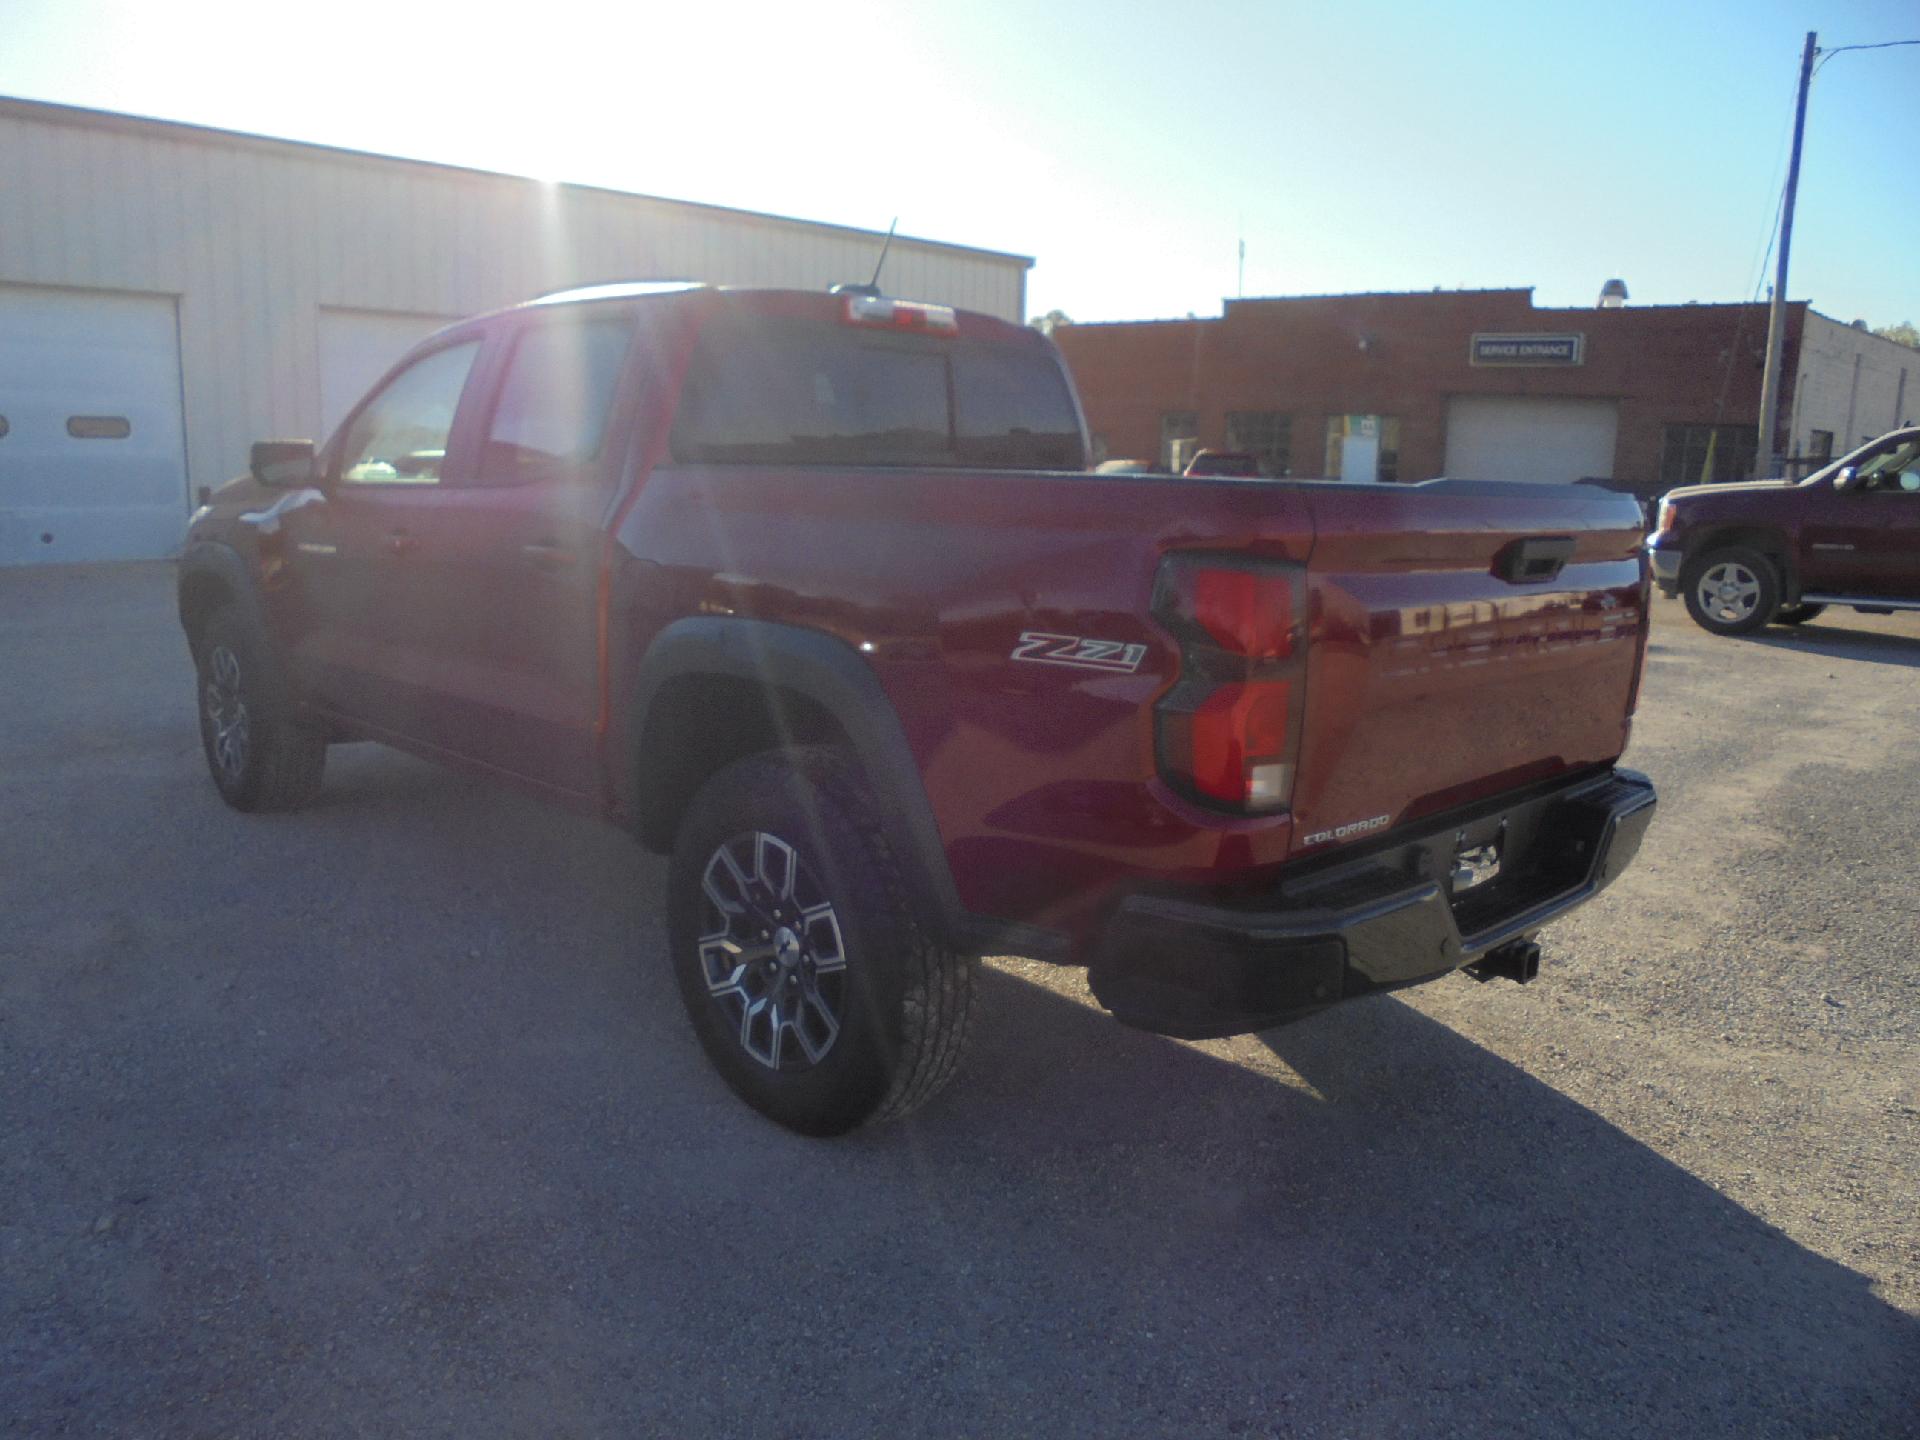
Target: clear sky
1380 144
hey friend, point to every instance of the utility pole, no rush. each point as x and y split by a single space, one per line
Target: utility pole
1768 448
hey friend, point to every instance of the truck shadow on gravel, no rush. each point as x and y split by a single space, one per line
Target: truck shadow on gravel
1873 646
1426 1241
423 1145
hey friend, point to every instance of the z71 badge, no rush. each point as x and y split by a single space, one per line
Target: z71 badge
1082 654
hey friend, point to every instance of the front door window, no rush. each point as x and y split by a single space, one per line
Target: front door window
400 436
1895 468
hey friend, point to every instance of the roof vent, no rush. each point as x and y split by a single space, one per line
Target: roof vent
1613 295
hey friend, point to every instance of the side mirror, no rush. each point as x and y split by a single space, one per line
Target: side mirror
1847 478
283 462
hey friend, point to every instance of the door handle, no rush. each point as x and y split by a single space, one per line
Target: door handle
547 556
399 542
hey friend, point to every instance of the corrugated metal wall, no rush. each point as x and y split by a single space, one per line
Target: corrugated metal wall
1853 384
254 237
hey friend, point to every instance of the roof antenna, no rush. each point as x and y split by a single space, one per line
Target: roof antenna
874 284
872 287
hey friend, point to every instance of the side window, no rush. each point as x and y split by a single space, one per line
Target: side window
813 395
551 417
1896 468
400 437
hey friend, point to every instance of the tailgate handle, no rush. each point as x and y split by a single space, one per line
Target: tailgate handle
1534 559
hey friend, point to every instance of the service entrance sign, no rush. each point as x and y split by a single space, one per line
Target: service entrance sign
1528 349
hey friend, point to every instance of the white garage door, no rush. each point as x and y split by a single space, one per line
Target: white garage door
92 455
1506 437
356 347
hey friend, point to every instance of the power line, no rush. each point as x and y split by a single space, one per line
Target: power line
1768 442
1826 55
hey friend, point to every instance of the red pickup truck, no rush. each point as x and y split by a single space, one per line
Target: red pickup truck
815 594
1780 552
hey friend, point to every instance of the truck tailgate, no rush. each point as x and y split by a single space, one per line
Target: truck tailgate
1439 672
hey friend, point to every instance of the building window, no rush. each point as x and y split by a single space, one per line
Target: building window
1175 426
98 427
1266 436
1703 454
1380 433
1819 446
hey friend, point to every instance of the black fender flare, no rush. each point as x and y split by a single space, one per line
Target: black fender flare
1770 540
828 672
208 562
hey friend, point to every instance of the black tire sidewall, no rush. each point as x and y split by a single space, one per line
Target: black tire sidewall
225 631
269 727
1763 570
809 805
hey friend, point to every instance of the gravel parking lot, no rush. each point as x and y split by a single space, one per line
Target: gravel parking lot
383 1119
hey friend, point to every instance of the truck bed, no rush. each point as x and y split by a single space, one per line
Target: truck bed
1431 681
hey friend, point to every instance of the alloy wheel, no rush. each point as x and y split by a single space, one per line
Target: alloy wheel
225 702
771 952
1729 592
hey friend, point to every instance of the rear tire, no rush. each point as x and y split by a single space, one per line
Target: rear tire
811 981
260 757
1797 614
1731 590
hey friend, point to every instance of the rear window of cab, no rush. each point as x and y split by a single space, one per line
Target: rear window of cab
801 392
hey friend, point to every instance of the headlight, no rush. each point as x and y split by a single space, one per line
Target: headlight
1665 522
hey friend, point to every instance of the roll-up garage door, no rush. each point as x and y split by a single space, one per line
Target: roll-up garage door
356 348
92 450
1510 437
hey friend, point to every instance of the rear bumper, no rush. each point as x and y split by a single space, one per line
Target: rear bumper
1380 920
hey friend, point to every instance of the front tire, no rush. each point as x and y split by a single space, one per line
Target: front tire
260 757
1731 591
811 981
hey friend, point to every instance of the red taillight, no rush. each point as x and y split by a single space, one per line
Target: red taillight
1229 730
1250 613
1232 746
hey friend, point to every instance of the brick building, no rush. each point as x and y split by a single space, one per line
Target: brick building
1483 384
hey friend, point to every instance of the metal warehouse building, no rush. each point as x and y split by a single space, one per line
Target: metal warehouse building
169 294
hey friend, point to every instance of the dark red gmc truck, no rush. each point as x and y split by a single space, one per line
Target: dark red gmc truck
1780 552
815 594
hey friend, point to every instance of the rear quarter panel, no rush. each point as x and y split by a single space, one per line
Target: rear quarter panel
1041 774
